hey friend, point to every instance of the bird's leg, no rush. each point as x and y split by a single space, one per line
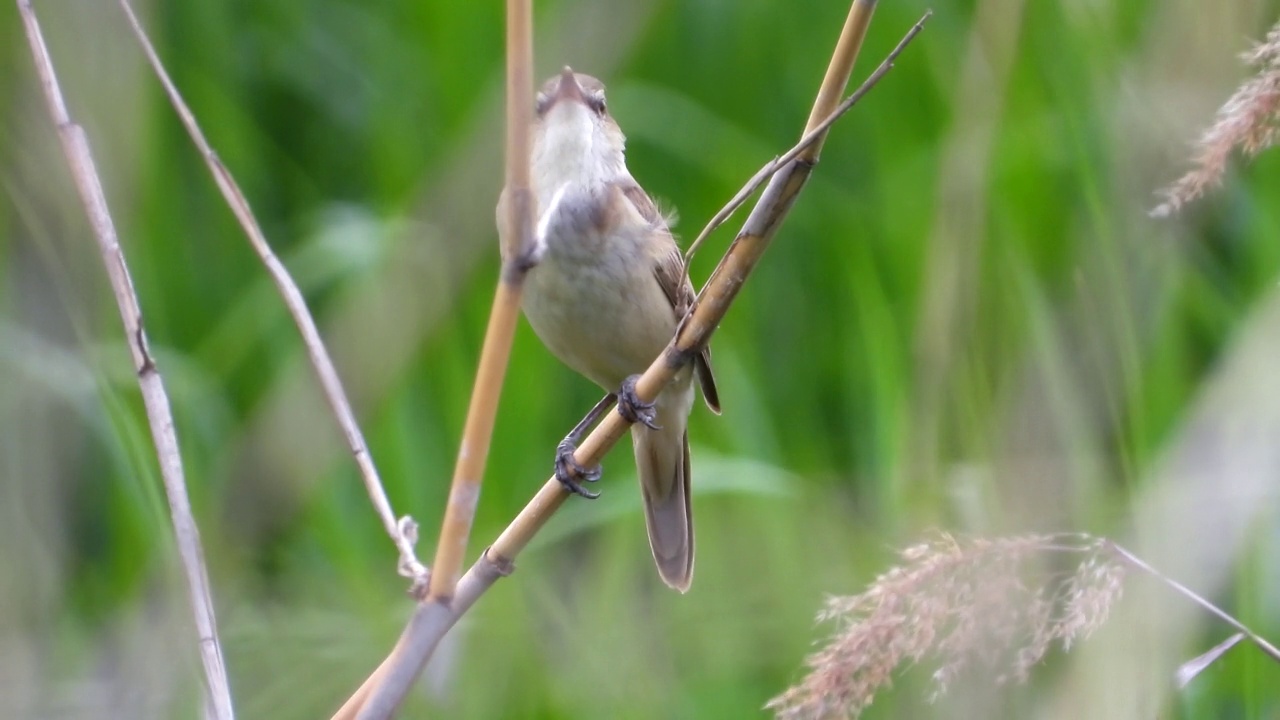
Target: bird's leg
631 407
568 471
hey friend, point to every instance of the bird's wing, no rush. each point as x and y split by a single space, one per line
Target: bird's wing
669 270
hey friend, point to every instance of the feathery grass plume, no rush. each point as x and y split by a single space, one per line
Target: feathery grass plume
1249 120
997 602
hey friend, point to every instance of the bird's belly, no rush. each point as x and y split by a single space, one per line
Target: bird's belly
601 311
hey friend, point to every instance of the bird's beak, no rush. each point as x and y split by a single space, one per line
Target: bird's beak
568 88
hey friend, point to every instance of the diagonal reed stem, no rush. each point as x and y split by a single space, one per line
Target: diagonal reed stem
403 531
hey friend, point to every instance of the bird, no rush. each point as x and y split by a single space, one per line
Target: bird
605 293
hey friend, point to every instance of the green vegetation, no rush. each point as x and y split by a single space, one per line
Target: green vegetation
968 323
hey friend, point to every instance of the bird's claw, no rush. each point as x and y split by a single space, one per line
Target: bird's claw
635 410
569 471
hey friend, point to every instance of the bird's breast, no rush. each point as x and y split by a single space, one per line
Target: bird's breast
593 298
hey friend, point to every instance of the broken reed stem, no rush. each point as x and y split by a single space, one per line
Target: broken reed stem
382 692
156 401
464 492
403 532
810 137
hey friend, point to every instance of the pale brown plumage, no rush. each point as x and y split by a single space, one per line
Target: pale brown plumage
674 283
608 292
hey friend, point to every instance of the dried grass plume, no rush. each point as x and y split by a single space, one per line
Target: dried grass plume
1249 120
998 603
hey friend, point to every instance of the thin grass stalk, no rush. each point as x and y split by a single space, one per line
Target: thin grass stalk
154 397
403 532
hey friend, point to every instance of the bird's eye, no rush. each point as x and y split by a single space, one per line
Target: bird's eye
540 103
596 102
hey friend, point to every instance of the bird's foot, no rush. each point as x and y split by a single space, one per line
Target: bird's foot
569 471
631 407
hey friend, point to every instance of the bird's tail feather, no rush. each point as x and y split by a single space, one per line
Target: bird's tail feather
662 461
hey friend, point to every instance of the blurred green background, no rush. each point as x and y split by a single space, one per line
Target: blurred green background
967 323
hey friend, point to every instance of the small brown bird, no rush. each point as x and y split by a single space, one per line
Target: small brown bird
605 298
